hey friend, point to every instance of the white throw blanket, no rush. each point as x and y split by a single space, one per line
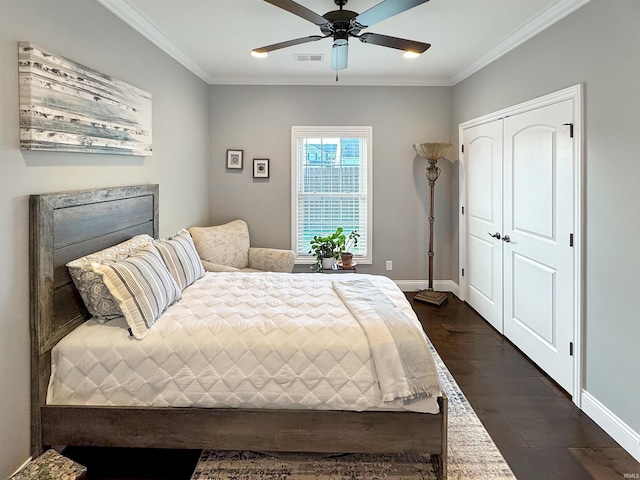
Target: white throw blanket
404 365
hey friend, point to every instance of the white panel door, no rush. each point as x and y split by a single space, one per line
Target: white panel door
483 154
538 220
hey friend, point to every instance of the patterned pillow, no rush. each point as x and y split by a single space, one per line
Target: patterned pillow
181 258
142 286
94 293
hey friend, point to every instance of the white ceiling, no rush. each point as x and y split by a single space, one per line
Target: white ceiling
213 38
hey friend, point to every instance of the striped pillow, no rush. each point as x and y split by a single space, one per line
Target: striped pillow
142 286
181 258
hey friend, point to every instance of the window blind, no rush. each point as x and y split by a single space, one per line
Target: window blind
331 186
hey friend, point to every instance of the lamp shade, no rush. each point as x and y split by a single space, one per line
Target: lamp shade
432 151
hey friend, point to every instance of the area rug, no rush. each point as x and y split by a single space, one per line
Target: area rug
472 455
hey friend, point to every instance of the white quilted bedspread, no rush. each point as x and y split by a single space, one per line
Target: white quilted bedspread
247 340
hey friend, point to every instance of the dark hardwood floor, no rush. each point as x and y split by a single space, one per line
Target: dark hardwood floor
540 432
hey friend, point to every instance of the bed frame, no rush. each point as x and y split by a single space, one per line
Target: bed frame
68 225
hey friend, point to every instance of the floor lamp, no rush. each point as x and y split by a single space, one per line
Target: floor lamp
432 152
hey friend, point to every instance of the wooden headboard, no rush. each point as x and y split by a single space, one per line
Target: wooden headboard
62 227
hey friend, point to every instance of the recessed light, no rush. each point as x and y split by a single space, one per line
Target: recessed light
259 54
409 54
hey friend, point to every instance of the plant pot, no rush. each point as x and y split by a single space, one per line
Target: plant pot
327 263
347 259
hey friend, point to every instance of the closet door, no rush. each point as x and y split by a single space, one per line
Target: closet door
483 154
538 222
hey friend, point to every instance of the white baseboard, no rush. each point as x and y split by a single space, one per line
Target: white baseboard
440 285
610 423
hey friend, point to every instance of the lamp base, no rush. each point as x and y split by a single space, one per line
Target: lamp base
431 296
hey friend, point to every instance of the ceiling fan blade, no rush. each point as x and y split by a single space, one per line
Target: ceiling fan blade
288 43
384 10
339 56
394 42
299 10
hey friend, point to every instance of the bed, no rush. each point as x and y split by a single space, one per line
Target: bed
68 225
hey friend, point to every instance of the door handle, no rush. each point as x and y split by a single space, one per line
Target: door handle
495 235
506 239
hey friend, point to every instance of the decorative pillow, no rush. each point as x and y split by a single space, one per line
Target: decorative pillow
181 258
142 286
94 293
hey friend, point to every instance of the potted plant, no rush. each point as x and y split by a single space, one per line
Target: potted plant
327 249
347 243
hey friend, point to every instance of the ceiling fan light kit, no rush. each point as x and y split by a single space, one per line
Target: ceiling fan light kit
342 24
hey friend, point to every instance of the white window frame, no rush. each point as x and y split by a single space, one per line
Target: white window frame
365 132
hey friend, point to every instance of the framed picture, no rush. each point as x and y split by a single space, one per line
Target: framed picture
260 168
234 159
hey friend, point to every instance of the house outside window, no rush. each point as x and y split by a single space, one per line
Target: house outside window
331 186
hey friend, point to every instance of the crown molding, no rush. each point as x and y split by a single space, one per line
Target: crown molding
520 35
124 10
139 22
330 79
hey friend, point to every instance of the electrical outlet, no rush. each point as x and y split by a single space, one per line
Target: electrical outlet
389 265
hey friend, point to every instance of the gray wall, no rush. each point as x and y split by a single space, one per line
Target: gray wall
87 33
597 46
258 119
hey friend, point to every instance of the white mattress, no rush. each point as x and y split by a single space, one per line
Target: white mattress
245 340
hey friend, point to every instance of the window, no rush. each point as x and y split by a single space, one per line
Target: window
331 186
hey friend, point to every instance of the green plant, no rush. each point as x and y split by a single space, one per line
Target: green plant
332 245
350 241
328 246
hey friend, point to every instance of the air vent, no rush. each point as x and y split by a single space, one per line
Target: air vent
308 57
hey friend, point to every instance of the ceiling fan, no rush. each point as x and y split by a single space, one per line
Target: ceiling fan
342 24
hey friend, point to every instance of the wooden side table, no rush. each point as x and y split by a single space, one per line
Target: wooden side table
339 270
51 466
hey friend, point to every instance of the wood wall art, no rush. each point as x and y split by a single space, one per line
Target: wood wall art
68 107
